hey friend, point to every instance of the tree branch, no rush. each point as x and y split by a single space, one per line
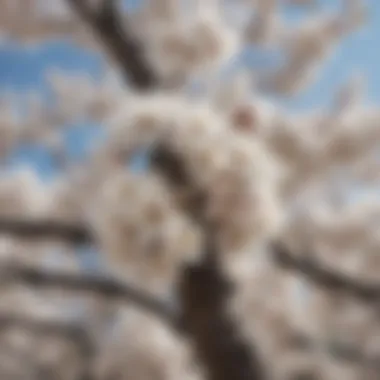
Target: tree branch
204 293
58 329
102 286
325 277
45 228
79 334
50 327
338 351
116 36
170 166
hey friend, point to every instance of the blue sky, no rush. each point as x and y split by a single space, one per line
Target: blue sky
359 52
24 68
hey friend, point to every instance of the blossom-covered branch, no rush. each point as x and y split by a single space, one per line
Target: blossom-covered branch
323 276
219 344
204 290
99 285
76 337
221 156
57 328
238 356
343 352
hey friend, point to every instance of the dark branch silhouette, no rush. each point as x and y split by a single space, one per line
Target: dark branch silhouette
105 286
45 228
70 331
169 164
203 291
57 328
79 335
115 35
325 277
205 294
301 342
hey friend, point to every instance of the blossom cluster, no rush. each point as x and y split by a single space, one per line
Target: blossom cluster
264 173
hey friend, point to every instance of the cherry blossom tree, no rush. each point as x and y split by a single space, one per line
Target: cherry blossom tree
239 251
